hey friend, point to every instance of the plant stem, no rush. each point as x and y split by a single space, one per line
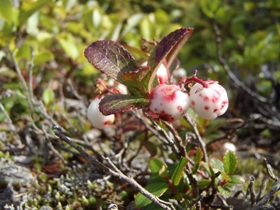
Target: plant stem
194 78
198 137
113 170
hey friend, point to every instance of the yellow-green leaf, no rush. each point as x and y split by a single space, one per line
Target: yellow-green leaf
179 171
230 162
48 96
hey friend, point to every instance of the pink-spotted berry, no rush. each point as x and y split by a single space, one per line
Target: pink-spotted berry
209 102
169 102
97 119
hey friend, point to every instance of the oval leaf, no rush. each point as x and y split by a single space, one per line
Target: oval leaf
156 165
224 191
230 162
179 171
197 160
217 164
116 103
167 49
110 58
48 96
134 80
157 187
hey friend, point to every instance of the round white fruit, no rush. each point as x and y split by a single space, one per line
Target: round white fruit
169 102
209 102
97 119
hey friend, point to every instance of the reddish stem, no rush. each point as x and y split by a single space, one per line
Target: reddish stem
194 78
103 87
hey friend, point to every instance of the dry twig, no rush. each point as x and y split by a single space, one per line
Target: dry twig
113 170
198 137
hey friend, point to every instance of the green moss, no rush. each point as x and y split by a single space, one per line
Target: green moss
43 177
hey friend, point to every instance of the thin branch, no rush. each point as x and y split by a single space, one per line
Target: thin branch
198 137
11 125
22 80
32 101
268 196
177 138
226 67
130 180
30 72
114 171
158 132
269 170
49 143
178 141
251 191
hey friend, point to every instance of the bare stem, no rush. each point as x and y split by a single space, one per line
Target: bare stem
22 80
268 196
194 78
198 137
226 67
178 141
113 170
10 122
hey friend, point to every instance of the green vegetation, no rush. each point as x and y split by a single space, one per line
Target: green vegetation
46 85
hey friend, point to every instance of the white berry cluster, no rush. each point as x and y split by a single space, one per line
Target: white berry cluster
170 102
100 121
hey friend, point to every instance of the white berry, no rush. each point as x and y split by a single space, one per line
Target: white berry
169 102
162 73
209 102
97 119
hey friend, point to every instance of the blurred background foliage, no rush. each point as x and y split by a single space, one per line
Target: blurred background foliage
57 32
51 35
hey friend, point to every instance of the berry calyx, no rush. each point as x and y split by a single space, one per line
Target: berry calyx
97 119
169 102
209 102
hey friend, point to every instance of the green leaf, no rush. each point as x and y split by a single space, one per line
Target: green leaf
230 162
116 103
68 44
210 7
236 179
48 96
132 22
156 187
43 57
224 191
147 27
134 80
179 171
166 49
29 9
203 184
197 159
110 58
157 166
6 10
217 164
208 168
